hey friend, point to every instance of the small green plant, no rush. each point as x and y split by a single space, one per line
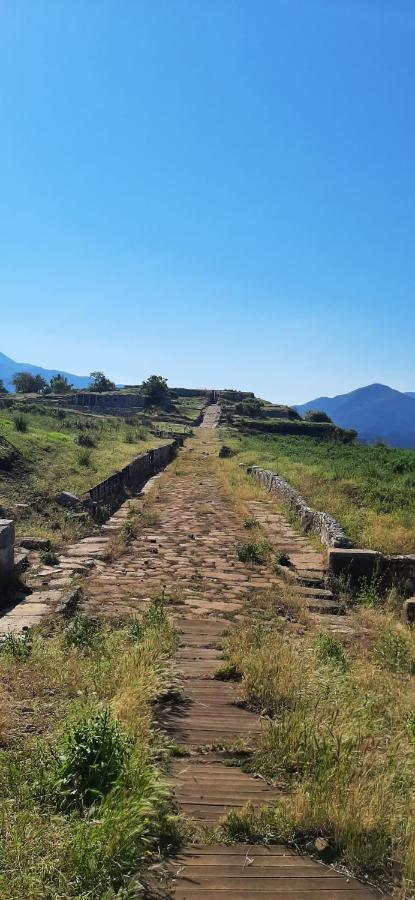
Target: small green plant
92 757
129 437
369 592
155 614
228 671
84 458
280 559
330 651
18 646
251 522
391 652
49 558
20 423
128 531
82 632
411 727
254 551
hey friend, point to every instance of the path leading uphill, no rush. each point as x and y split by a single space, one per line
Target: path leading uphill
189 550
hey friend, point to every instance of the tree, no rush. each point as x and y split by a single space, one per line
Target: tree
26 383
3 389
317 415
60 385
156 391
100 382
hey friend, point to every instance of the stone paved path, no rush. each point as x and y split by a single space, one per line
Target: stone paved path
190 552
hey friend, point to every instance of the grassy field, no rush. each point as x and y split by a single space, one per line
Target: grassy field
338 738
370 490
59 450
83 808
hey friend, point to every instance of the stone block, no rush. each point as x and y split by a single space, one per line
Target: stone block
408 611
355 564
64 498
35 543
6 548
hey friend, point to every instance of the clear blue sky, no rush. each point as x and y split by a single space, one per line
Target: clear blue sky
222 191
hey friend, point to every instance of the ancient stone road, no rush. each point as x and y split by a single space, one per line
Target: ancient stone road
190 552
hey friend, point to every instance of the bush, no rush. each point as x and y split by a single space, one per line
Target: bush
84 458
251 522
280 559
82 632
254 551
330 650
128 532
92 757
20 423
317 415
85 440
18 646
49 558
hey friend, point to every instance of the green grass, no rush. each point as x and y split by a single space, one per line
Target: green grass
370 490
339 739
83 806
50 459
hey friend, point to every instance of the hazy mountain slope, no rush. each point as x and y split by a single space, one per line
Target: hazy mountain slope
8 367
376 412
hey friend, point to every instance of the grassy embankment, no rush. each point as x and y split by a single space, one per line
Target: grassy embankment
83 806
370 490
59 450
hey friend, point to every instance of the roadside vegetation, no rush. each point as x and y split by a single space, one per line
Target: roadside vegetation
84 809
338 737
370 490
47 450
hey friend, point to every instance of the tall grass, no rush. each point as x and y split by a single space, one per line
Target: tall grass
83 806
339 736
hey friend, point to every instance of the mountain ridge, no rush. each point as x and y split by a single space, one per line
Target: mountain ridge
9 367
376 412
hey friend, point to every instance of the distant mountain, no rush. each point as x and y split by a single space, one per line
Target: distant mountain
8 368
376 412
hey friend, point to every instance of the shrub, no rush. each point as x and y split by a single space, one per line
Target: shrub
92 757
369 593
20 423
254 551
228 671
85 440
82 632
330 650
49 558
128 531
280 559
251 522
392 652
84 458
18 646
317 415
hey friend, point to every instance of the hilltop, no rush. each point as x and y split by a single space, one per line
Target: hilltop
9 367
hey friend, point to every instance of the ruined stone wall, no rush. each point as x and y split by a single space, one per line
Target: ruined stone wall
6 548
135 473
326 527
103 403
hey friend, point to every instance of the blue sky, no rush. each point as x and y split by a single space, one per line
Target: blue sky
221 191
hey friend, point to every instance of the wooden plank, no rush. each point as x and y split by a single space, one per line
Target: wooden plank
248 892
280 883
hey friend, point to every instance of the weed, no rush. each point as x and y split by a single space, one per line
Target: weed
20 423
84 458
256 552
85 440
128 531
280 559
82 632
90 760
251 522
228 671
369 593
392 652
18 646
330 651
49 558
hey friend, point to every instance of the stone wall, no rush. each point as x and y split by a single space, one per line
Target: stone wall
131 476
103 403
326 527
358 565
6 548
